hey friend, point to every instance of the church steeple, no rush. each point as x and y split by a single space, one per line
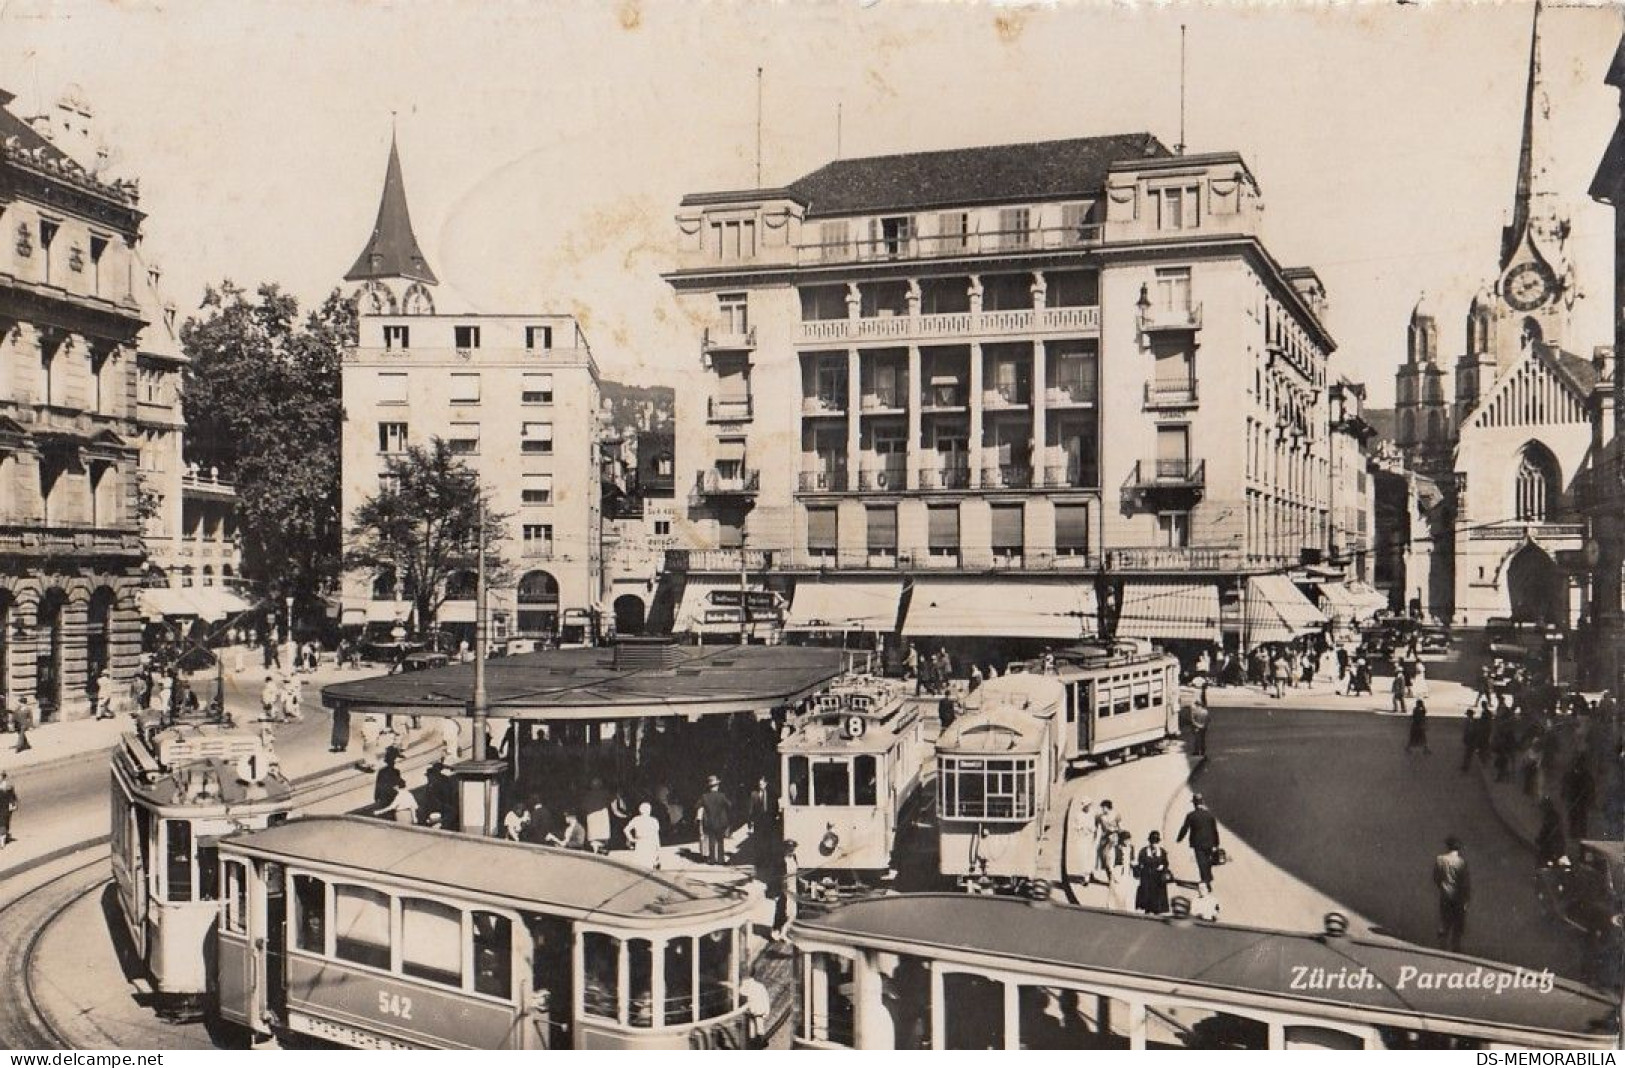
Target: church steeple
1533 197
393 251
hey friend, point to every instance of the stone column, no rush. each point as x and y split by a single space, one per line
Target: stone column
1040 411
975 413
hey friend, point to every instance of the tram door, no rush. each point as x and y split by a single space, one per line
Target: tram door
549 993
232 969
273 957
1081 709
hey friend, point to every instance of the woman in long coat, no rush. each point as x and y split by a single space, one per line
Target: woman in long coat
1154 877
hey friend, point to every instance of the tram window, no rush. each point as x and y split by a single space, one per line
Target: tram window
716 974
431 941
208 873
866 781
1142 696
679 968
972 1012
310 913
832 782
236 897
796 780
178 859
361 925
1189 1027
1121 701
1397 1038
601 974
828 1008
640 967
1306 1036
493 955
1157 689
1054 1017
906 995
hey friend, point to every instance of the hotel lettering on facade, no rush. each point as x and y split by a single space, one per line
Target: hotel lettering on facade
1019 382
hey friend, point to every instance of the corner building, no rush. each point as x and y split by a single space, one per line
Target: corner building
1026 389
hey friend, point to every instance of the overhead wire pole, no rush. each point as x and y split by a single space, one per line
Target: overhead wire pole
480 702
758 127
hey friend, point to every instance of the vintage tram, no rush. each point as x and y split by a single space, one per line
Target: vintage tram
375 935
179 784
952 971
852 767
1119 700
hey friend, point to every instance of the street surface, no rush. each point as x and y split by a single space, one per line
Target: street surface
1332 798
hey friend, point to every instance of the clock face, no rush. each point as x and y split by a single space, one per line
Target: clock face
1528 286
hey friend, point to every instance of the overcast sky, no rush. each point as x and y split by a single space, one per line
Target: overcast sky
546 145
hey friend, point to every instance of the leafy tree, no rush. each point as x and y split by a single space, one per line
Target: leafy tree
262 404
421 524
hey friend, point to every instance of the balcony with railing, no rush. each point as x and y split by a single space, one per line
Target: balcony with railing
1011 397
1013 323
1170 393
728 339
824 404
729 410
1180 476
832 480
1070 395
882 478
944 477
1070 476
712 482
883 401
729 561
1007 476
1180 558
912 246
1176 317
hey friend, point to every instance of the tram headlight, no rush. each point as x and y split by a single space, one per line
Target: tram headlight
829 843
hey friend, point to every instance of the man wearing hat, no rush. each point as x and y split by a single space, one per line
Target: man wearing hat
715 812
1203 829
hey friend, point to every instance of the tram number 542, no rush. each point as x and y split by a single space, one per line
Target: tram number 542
396 1005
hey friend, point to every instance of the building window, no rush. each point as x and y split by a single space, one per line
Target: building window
389 483
831 384
662 528
1537 485
466 337
733 308
1009 531
538 537
465 388
536 438
1173 452
1176 207
537 389
538 489
834 240
1074 222
1174 529
735 239
538 337
953 232
1174 289
943 530
896 235
98 248
1071 529
464 439
882 521
392 437
822 533
1015 227
397 337
47 234
665 467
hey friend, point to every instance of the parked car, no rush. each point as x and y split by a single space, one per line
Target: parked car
1433 639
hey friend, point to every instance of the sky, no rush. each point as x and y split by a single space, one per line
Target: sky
546 145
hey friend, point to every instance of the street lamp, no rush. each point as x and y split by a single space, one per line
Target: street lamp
288 643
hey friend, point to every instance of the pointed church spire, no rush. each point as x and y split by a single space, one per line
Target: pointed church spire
392 251
1532 160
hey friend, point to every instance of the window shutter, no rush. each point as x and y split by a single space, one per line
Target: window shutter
1071 526
944 526
882 529
1008 526
821 528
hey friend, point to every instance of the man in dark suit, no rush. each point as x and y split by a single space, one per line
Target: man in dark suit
1203 830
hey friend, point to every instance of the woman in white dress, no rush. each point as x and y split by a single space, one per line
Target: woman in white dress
1083 841
1120 881
643 835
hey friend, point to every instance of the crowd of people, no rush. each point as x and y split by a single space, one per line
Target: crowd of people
1100 849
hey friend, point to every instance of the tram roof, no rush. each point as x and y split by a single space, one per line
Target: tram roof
574 882
587 684
1244 959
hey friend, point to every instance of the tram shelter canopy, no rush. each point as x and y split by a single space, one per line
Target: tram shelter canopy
1170 610
712 606
946 608
594 684
1277 612
844 606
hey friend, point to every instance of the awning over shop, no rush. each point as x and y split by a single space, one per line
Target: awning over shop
456 612
1180 610
1338 603
1371 601
159 602
1277 612
715 606
947 608
842 606
217 602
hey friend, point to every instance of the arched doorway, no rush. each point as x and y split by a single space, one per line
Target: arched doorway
1536 587
629 614
538 604
49 625
99 638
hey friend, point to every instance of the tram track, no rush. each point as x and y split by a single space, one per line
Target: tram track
25 920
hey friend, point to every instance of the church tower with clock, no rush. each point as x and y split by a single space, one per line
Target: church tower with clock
392 276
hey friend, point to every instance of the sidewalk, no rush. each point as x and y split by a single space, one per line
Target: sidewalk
53 744
1153 793
1444 698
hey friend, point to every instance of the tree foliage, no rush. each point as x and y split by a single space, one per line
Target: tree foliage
262 404
421 525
